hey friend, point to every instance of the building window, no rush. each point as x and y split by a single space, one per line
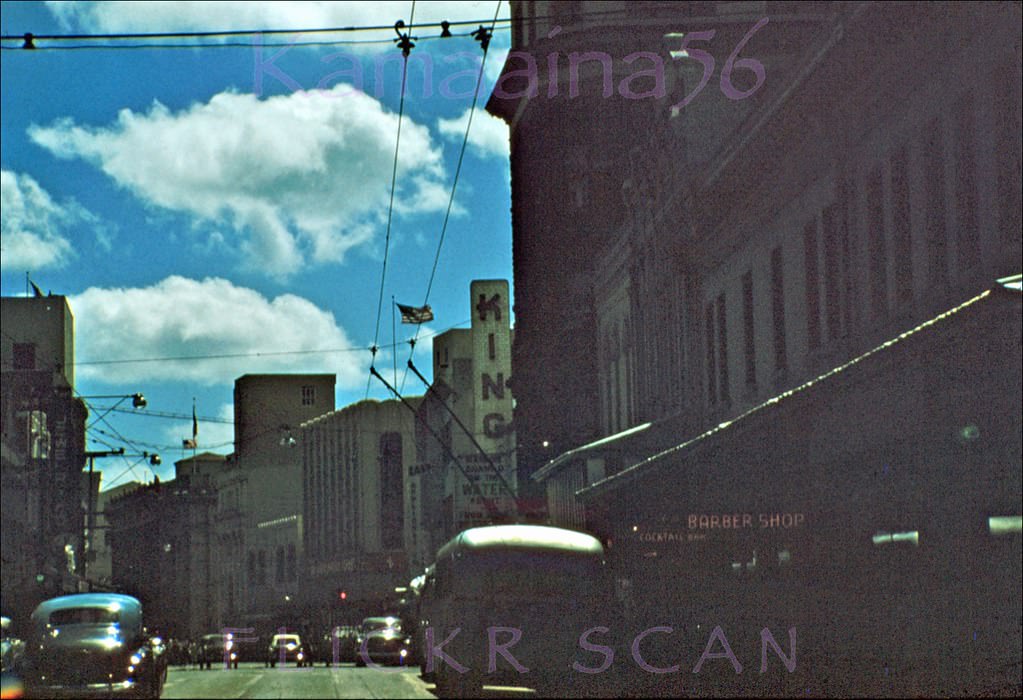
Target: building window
712 372
813 312
967 230
934 173
392 491
876 245
836 278
279 569
778 310
1006 110
292 563
902 236
24 355
749 330
722 334
308 395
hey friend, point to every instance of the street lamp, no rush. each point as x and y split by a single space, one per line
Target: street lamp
137 400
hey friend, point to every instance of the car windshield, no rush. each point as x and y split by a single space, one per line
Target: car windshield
380 623
84 616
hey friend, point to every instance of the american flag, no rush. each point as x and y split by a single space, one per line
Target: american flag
415 314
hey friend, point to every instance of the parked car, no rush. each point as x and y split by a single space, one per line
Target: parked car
287 647
217 650
92 644
381 640
13 651
336 646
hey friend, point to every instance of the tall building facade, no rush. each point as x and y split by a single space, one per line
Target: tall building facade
43 448
355 508
164 549
750 199
267 478
466 470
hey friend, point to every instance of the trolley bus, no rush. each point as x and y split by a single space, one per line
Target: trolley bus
506 605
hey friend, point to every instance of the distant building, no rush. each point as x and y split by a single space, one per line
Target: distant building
164 551
43 446
100 569
357 534
466 471
266 477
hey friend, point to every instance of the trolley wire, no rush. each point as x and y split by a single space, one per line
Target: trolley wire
483 36
405 44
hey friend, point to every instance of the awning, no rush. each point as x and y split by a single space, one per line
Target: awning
586 450
1007 288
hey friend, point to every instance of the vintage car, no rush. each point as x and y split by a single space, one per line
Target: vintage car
381 640
337 645
218 651
13 650
92 645
285 648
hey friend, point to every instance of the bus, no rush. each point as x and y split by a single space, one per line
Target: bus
507 604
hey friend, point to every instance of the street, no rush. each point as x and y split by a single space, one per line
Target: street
346 681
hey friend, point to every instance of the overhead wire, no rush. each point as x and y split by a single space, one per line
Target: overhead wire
29 38
484 40
223 356
405 45
228 32
221 45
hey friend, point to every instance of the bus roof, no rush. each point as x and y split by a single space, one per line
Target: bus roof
531 537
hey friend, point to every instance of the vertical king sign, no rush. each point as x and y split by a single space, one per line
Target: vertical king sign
492 403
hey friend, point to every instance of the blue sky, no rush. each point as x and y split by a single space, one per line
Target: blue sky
233 201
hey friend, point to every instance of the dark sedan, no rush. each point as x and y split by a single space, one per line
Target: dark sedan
92 645
285 648
382 640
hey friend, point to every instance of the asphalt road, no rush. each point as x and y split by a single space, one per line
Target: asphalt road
346 681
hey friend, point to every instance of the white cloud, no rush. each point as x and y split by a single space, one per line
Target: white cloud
153 16
235 329
297 177
33 226
487 133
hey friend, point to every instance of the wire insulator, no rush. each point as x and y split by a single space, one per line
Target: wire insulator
483 35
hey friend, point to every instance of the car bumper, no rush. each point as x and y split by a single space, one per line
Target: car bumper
125 689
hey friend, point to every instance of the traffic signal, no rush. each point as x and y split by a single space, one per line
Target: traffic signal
342 595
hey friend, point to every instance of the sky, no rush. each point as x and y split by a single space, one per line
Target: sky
226 209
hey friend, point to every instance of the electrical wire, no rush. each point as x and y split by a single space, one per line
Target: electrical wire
223 45
223 356
454 184
231 32
394 179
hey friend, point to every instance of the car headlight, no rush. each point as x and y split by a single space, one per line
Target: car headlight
136 658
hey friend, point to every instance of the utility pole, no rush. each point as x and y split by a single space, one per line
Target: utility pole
87 550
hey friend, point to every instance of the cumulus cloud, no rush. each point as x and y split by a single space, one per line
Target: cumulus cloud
113 17
33 226
299 177
487 133
234 330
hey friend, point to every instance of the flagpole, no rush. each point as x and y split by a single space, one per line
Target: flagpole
394 342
